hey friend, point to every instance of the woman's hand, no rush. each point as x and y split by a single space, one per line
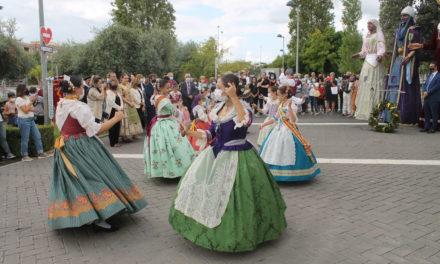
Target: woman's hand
355 56
379 59
119 115
231 90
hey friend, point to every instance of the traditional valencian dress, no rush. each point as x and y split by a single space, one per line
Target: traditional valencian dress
200 123
87 183
228 200
131 124
372 74
166 153
270 109
286 153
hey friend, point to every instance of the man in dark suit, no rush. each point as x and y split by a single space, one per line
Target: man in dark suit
189 91
148 90
431 93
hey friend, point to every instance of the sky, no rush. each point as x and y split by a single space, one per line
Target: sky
249 27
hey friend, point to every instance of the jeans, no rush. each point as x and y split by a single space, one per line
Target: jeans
3 142
28 128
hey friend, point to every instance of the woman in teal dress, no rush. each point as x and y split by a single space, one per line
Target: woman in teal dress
228 200
87 184
166 153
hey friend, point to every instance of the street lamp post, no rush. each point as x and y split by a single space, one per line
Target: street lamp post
281 36
293 5
217 55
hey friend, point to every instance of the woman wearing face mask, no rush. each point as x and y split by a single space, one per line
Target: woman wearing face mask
114 104
26 123
87 185
228 200
285 151
96 97
166 153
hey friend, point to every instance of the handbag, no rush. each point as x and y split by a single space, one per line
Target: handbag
316 93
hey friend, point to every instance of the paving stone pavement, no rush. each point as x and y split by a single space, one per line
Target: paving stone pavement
348 214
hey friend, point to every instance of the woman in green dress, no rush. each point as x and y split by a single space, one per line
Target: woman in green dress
167 154
87 184
228 200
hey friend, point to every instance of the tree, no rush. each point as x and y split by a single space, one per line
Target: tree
234 66
351 39
351 15
351 43
320 52
144 15
389 17
314 14
428 14
183 56
8 27
14 61
202 60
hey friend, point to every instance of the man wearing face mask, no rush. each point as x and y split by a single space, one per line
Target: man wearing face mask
188 90
148 89
431 94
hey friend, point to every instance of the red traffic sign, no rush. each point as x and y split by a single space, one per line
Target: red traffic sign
46 34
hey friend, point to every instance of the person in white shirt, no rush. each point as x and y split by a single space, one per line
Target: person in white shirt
26 124
138 98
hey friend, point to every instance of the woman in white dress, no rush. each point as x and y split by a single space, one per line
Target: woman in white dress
372 74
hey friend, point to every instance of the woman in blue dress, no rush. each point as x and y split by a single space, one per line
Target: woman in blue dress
228 200
286 153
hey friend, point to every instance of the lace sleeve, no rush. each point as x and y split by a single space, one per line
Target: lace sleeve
247 121
86 119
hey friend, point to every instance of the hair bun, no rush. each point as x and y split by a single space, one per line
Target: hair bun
66 87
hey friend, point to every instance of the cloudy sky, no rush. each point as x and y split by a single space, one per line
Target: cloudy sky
249 27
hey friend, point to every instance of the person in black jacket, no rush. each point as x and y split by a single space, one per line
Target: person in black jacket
148 90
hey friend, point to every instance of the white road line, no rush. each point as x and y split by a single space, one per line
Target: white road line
335 161
324 124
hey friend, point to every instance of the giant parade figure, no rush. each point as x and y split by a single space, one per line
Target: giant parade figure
403 83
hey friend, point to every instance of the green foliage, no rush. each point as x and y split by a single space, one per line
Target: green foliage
314 14
351 43
428 14
394 122
320 52
144 15
351 15
34 75
14 138
120 49
14 61
183 56
234 66
389 17
202 60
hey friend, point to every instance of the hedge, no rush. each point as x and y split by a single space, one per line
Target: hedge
48 135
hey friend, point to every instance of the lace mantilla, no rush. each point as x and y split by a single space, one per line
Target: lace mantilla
232 115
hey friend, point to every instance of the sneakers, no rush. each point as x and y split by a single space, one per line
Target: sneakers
43 155
10 156
26 158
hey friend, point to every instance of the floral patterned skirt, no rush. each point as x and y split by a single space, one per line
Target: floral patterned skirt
166 153
100 190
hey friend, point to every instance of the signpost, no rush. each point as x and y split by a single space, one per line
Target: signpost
45 38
